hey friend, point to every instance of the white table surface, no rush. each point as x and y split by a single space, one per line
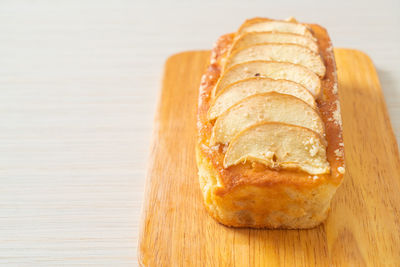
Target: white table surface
79 82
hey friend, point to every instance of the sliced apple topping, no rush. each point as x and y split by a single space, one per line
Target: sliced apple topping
265 107
253 38
279 145
235 92
292 53
270 69
260 25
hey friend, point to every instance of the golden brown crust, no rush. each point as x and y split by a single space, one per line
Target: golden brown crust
256 174
284 206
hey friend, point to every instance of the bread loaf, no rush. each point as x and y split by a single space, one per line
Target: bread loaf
270 151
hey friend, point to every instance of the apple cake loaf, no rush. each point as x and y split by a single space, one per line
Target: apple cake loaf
270 151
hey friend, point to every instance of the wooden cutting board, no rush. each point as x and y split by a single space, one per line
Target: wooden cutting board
363 228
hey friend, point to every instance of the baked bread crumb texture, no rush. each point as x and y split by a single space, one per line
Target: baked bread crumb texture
270 150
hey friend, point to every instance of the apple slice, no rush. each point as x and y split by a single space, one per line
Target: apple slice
291 53
266 25
265 107
273 70
235 92
279 145
253 38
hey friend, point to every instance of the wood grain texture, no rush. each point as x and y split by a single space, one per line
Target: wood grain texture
363 228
